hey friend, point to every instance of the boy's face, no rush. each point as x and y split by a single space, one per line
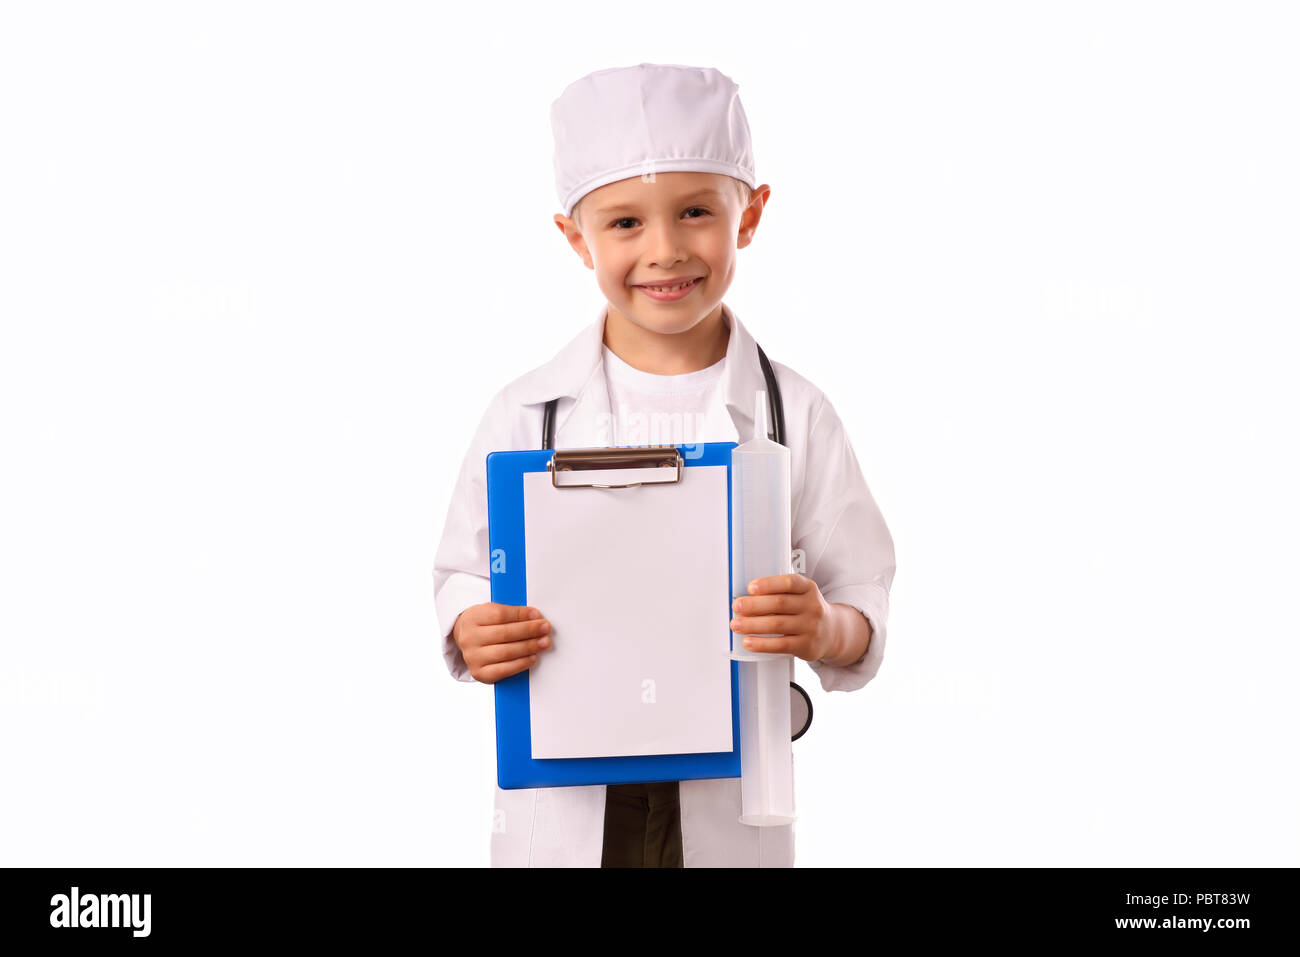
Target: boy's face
677 226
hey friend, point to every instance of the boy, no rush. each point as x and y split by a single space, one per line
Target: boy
654 173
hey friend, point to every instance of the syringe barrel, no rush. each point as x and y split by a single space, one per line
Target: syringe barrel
760 548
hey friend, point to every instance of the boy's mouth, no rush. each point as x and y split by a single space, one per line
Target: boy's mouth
670 292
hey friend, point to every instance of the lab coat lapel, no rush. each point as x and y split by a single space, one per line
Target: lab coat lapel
742 377
588 422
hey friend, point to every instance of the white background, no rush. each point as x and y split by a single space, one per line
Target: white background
262 266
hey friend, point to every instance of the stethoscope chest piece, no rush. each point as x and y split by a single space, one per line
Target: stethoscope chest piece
801 712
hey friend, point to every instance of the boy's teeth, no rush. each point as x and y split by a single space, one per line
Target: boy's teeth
671 288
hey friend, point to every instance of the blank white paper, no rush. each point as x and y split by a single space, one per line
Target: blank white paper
635 583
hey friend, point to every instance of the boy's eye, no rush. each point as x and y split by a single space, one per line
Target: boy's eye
617 224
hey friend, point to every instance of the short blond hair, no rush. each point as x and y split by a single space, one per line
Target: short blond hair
743 189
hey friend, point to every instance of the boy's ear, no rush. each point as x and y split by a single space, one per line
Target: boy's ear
574 236
751 214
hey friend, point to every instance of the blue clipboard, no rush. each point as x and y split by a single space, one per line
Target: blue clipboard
516 768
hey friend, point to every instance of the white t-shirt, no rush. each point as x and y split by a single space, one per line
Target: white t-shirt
651 409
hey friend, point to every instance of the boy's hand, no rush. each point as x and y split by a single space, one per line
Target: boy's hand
500 640
791 606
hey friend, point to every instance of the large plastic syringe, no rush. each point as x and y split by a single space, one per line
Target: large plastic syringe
760 546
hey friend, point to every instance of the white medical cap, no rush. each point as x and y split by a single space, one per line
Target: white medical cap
650 118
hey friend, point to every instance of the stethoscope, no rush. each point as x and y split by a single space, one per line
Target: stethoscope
801 710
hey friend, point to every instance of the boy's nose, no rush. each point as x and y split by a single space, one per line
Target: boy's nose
665 247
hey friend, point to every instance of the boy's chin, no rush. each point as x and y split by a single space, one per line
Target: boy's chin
665 318
681 321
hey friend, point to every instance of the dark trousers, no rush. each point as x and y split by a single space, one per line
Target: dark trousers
643 825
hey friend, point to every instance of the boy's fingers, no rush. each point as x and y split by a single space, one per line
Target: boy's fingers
779 583
516 631
771 645
766 625
509 651
491 674
782 604
498 614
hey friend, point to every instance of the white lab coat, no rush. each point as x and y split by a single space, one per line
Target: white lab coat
847 549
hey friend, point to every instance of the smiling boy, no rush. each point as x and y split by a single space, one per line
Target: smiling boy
655 176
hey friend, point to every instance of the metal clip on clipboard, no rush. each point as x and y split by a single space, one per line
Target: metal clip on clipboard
598 459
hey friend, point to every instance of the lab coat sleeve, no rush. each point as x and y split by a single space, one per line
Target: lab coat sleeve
847 547
461 566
